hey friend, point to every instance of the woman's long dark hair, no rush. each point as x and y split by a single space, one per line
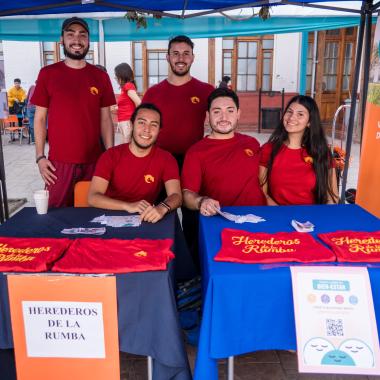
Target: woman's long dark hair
124 74
314 142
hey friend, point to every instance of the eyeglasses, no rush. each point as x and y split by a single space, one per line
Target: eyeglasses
177 54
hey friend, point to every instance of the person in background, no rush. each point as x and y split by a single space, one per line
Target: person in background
16 99
225 82
75 97
129 177
223 168
128 99
296 166
30 111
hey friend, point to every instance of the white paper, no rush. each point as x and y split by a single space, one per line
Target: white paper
248 218
118 220
63 329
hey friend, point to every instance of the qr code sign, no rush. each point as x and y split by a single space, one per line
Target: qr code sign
334 327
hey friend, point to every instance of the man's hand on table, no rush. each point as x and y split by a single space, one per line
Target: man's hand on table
153 214
208 206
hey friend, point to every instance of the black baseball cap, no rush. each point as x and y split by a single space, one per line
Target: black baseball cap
75 20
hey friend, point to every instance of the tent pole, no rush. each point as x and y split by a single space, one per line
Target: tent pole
101 53
366 65
354 91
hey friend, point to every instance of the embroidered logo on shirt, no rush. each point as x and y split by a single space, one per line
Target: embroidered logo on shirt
141 254
148 178
195 100
248 152
94 90
308 159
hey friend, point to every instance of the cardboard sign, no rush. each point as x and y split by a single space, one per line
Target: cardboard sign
64 327
335 320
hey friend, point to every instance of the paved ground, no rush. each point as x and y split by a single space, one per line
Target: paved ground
22 178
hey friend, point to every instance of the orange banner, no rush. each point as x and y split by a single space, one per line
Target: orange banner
368 188
64 327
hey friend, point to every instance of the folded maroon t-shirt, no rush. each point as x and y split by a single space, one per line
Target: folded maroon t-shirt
92 255
354 246
30 254
249 247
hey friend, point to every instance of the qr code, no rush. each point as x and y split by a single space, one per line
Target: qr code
334 327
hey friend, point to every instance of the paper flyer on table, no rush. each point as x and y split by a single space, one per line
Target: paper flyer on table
335 320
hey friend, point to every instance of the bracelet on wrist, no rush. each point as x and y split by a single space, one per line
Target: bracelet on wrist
39 158
164 204
201 200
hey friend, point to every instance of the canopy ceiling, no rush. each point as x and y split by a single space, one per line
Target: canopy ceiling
162 7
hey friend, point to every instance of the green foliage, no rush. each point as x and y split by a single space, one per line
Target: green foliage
374 93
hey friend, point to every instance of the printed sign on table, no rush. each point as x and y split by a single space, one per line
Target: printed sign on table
64 327
335 320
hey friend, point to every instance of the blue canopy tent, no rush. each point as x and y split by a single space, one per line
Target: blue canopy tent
184 12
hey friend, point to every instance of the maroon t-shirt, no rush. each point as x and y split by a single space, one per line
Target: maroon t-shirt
225 170
132 178
183 113
292 179
74 98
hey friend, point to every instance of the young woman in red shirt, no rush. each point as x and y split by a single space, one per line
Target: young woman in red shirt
128 99
296 165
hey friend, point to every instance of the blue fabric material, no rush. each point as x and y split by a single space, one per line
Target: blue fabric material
54 6
303 64
120 29
249 307
147 316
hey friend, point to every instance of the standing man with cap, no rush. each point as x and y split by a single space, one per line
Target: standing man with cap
75 98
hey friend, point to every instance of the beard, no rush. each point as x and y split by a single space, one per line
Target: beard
179 73
133 138
223 130
78 56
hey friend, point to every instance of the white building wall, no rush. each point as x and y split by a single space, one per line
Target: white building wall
199 69
218 60
286 57
21 60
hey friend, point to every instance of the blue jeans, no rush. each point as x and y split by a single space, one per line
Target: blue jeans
30 114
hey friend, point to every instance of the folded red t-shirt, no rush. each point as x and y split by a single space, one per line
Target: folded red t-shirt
354 246
30 254
91 255
249 247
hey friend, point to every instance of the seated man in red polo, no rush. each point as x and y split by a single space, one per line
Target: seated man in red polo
130 176
222 169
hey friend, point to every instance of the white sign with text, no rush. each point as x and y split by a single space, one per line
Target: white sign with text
335 320
64 329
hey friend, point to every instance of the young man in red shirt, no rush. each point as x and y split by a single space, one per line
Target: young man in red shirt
73 98
129 177
222 169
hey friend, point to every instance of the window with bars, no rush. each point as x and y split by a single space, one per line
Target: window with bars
330 66
53 52
149 65
249 62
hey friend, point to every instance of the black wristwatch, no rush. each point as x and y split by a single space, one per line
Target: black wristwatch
39 158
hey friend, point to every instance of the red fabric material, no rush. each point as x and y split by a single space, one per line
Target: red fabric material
352 246
225 170
132 178
248 247
74 98
125 105
91 255
30 254
61 193
292 179
183 113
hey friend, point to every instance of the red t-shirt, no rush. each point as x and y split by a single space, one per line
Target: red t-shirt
132 178
74 98
225 170
125 103
292 179
183 113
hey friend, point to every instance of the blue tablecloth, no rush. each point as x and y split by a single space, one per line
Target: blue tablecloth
249 307
147 316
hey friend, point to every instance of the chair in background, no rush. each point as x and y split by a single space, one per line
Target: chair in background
11 126
80 193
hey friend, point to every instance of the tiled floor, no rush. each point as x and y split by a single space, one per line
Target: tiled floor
22 178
